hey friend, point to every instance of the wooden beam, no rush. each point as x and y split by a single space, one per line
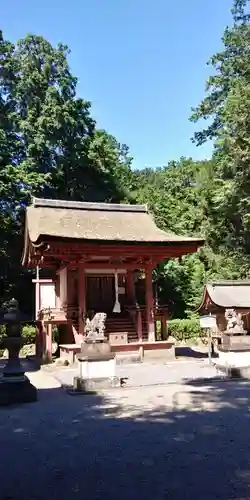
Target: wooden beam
138 255
104 265
123 257
120 250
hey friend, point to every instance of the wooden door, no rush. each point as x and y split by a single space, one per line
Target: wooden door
100 291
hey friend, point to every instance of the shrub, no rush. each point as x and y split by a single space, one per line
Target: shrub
29 334
184 329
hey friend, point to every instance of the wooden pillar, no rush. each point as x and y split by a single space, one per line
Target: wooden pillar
130 286
39 339
81 299
43 341
57 291
70 287
66 295
150 305
37 304
139 324
49 343
163 327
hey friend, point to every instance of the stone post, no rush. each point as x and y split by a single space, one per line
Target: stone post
15 387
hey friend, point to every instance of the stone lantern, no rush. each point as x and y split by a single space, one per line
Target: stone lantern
15 386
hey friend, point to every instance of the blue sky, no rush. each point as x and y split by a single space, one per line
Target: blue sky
142 63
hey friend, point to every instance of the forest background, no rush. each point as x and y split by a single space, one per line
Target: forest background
50 146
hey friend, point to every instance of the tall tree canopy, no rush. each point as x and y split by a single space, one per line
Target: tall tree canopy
226 106
49 143
229 65
211 197
51 146
55 146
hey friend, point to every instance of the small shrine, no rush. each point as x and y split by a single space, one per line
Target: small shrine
100 257
220 296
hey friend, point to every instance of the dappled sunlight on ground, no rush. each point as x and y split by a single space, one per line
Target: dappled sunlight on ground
180 441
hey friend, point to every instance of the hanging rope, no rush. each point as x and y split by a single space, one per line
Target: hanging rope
117 306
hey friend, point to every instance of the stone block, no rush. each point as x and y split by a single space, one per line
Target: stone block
94 384
167 354
234 372
118 338
234 358
235 342
94 368
15 392
129 357
95 348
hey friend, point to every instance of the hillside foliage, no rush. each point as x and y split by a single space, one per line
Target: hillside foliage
50 146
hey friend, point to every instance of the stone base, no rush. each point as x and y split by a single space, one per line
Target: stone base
154 354
94 384
235 342
233 359
14 392
95 347
94 368
129 357
235 372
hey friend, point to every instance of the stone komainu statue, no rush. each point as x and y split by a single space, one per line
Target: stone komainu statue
234 321
96 326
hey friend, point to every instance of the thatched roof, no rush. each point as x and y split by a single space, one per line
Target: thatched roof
96 222
226 295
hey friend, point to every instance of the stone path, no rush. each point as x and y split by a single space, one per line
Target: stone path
150 372
181 440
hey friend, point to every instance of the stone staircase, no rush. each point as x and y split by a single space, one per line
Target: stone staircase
123 323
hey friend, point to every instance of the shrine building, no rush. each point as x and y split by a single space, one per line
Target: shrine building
101 257
221 295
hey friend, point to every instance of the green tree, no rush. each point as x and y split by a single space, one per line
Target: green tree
49 144
229 65
227 108
210 198
184 198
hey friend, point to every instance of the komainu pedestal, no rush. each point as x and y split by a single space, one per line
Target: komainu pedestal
234 351
97 364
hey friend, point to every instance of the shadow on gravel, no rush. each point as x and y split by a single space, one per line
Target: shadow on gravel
102 447
29 366
188 352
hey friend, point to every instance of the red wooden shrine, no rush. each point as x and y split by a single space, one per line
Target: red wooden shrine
102 257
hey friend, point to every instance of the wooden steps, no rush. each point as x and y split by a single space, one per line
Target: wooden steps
122 323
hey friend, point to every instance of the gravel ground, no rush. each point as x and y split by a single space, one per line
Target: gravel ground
149 373
182 440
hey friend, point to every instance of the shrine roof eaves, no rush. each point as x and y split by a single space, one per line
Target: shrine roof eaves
88 206
96 221
226 294
99 223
